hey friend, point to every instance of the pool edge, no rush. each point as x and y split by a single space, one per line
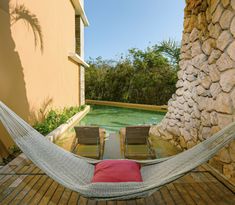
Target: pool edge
158 108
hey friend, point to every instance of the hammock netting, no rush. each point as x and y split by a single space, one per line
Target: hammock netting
76 172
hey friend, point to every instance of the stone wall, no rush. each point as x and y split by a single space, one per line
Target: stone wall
204 101
82 85
79 41
78 34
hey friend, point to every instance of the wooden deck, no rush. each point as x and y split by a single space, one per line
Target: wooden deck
21 182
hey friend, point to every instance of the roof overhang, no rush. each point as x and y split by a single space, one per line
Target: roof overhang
80 11
75 57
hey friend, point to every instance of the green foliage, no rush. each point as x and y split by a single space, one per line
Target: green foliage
146 77
55 118
171 50
14 150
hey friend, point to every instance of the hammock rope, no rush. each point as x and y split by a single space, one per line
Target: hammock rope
76 172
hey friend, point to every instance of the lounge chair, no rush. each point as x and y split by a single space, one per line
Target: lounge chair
135 142
90 140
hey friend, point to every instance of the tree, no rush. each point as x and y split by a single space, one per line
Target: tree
143 76
171 50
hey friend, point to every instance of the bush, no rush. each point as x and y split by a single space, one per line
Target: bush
55 118
14 151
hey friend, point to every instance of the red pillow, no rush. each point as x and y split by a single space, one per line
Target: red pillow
117 171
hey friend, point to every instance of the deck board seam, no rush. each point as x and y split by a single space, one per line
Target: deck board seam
162 197
24 191
205 191
52 194
20 202
45 190
170 194
17 192
69 197
197 192
176 190
11 179
217 185
22 174
191 196
227 184
212 190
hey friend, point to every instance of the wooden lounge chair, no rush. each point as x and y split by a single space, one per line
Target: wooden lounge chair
135 142
90 140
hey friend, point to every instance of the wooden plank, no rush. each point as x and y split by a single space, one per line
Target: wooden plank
217 198
150 200
204 184
57 195
167 196
221 187
204 195
49 193
175 194
82 201
199 189
73 198
41 191
201 168
9 170
219 177
158 198
65 197
11 195
130 202
120 203
6 188
140 201
101 203
7 180
15 172
187 193
24 192
18 162
91 202
225 195
33 191
111 202
112 147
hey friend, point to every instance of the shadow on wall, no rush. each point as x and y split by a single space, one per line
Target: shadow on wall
40 115
12 84
3 151
30 19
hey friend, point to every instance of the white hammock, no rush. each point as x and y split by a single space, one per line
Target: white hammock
76 173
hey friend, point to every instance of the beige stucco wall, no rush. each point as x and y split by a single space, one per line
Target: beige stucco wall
33 71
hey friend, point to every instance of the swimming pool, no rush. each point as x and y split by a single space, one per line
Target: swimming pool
112 119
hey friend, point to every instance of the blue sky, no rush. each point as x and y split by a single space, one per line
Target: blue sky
117 25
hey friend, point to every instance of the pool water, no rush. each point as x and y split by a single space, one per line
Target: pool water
112 119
